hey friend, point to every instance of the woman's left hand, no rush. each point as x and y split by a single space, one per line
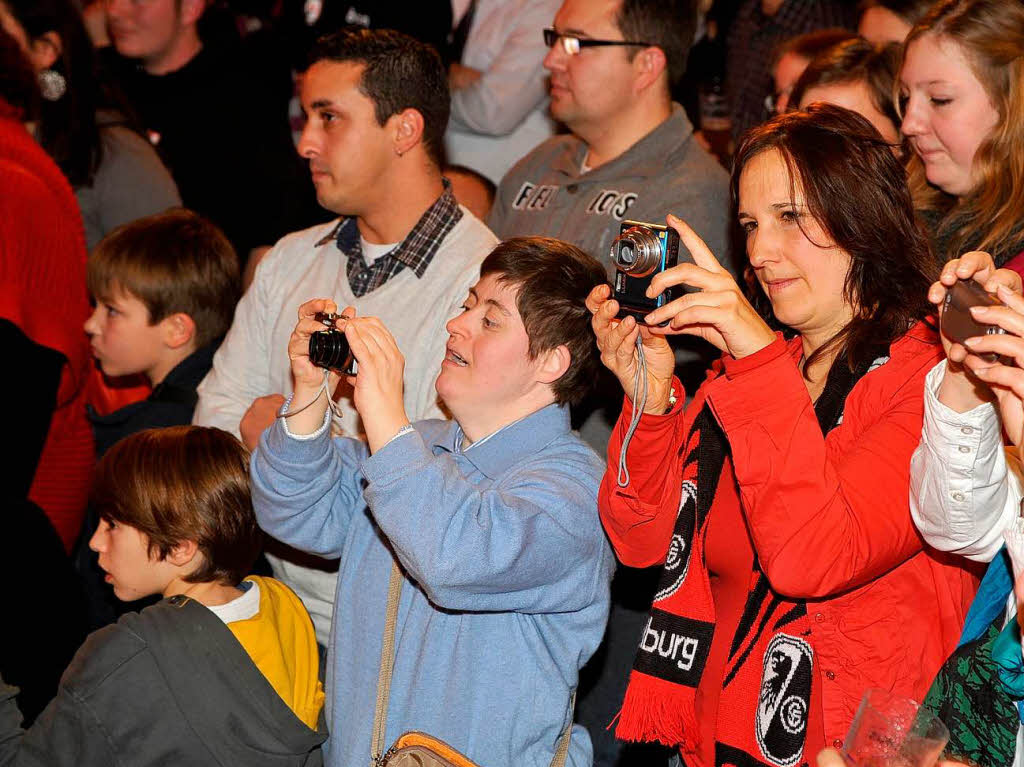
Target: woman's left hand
719 313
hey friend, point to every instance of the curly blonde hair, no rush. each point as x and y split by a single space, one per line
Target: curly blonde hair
990 217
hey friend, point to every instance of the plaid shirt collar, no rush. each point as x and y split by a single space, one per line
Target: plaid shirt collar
416 251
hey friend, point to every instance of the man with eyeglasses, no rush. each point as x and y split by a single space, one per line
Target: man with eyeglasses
631 154
631 151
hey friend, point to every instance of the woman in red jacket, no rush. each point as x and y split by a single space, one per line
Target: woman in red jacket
777 500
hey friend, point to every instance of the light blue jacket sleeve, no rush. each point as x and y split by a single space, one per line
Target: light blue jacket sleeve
305 491
530 542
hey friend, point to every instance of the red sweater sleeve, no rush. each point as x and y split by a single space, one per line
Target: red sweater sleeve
639 518
825 514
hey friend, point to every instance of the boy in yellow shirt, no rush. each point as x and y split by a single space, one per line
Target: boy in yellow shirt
224 669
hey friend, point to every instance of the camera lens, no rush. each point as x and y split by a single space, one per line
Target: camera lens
637 251
328 349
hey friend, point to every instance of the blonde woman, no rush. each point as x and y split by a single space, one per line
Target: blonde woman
961 94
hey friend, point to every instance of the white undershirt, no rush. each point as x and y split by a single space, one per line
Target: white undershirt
372 251
240 608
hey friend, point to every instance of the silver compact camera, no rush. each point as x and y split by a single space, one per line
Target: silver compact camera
639 252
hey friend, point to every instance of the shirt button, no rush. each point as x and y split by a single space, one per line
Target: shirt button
957 496
830 675
967 430
837 743
819 617
572 188
964 449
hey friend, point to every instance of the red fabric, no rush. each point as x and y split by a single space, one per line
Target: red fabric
828 517
107 395
1016 264
42 291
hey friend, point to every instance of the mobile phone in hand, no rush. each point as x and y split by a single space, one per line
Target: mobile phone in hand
957 322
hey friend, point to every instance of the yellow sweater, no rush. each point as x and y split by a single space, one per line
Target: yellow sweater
280 641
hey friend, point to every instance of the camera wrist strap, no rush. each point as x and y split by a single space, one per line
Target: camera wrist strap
323 390
638 411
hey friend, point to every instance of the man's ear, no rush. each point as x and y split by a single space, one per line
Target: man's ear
191 11
553 364
408 130
183 553
178 329
648 65
45 50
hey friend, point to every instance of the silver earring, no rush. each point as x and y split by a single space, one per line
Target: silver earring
52 84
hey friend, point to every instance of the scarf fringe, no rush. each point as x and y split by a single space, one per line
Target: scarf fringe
656 710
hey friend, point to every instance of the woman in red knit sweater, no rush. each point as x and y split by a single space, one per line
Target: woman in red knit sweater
43 303
777 500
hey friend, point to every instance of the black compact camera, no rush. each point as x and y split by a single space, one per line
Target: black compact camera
640 252
329 348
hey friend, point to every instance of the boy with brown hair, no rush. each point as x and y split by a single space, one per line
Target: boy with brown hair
222 670
165 288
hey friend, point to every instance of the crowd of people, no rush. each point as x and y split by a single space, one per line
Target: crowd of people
643 436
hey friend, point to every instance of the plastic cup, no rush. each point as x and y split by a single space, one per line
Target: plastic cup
891 731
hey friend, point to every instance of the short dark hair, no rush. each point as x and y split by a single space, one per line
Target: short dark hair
856 189
854 61
184 483
810 44
553 279
911 11
67 127
666 24
172 262
399 73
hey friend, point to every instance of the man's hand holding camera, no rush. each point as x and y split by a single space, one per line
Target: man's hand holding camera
377 389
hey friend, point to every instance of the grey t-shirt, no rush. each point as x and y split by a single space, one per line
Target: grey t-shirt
131 182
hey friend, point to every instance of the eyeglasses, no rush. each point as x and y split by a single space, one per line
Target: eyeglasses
572 44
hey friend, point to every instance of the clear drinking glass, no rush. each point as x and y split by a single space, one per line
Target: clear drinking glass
891 731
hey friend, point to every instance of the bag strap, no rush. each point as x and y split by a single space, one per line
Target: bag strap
563 742
387 666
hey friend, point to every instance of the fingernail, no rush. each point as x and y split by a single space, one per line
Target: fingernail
671 217
979 309
972 342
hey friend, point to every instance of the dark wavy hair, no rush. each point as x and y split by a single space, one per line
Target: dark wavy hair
852 61
857 191
18 85
67 128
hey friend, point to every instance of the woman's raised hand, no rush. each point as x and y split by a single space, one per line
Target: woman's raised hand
960 389
718 313
617 342
975 265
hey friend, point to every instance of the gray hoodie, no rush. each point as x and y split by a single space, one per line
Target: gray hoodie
170 686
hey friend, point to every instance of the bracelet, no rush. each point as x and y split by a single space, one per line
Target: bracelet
672 400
